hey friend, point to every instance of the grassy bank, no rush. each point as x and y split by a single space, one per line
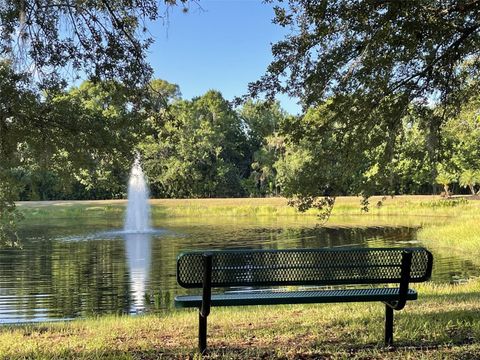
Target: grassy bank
443 324
399 205
460 236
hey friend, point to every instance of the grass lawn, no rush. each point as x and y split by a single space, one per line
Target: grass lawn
424 205
443 324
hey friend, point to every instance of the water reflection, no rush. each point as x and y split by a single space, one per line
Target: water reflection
138 247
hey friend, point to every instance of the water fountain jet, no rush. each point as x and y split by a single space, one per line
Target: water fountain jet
137 219
137 235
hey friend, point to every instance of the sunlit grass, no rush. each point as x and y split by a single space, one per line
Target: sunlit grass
397 206
460 236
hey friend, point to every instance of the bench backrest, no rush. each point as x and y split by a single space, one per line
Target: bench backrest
302 267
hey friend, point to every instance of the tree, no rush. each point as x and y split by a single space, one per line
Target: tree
461 137
198 151
18 104
382 48
84 147
411 168
445 178
470 178
110 128
9 215
262 121
160 94
264 173
102 39
330 152
374 60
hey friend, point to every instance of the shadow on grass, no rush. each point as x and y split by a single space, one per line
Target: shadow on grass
455 334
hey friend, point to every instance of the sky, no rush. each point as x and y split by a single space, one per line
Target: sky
218 44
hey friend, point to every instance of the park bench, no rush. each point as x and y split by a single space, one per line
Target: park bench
336 270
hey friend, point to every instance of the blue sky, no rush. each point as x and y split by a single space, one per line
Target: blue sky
223 45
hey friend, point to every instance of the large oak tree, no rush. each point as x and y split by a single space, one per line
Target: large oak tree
375 61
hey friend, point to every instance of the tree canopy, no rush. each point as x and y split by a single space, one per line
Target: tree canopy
378 49
70 38
368 66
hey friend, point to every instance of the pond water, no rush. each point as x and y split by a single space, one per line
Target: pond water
66 269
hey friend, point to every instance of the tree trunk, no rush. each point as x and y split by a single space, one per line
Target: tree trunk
432 145
472 189
447 191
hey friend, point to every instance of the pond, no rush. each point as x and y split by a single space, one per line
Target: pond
68 268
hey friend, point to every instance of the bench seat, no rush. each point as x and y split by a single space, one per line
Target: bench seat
297 297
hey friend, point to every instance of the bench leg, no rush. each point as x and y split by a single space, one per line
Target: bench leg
202 333
388 326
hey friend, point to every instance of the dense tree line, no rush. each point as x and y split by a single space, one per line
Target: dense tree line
317 161
79 144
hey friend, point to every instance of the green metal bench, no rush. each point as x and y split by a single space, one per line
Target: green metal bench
302 267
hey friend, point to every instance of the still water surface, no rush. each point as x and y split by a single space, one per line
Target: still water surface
74 268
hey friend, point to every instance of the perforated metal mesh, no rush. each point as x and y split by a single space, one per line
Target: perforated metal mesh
302 267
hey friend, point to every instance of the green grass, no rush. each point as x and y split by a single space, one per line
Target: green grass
38 210
443 324
412 206
460 236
